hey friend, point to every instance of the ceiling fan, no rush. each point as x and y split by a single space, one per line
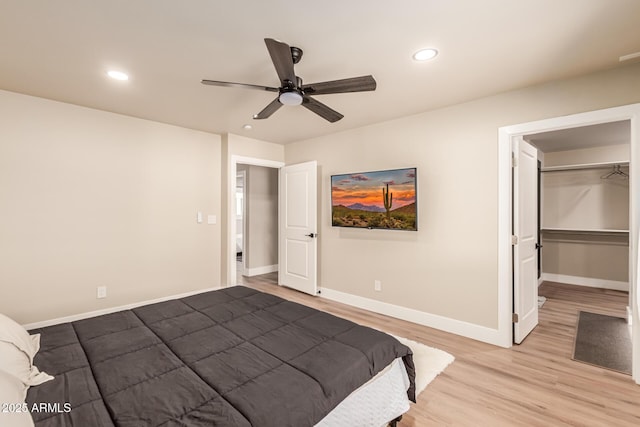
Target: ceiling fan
292 91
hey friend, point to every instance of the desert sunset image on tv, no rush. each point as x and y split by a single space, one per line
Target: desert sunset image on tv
381 199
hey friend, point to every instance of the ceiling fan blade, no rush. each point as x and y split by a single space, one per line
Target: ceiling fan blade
354 84
281 56
320 109
240 85
268 110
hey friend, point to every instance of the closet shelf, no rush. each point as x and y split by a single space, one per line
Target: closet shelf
602 165
600 231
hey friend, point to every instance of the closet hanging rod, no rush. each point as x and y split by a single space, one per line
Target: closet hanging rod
603 165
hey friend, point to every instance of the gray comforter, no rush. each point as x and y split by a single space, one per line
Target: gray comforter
232 357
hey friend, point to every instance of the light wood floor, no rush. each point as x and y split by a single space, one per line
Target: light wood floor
532 384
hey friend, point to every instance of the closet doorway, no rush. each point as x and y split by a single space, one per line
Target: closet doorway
508 283
584 205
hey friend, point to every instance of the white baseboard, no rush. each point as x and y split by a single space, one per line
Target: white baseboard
458 327
260 270
469 330
110 310
586 281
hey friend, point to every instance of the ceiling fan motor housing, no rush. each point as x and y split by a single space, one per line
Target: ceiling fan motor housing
296 54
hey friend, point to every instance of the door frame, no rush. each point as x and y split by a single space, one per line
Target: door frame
242 174
506 135
231 207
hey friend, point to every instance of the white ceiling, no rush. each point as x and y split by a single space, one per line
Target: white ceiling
62 49
600 135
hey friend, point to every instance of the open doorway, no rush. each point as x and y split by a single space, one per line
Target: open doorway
584 205
507 281
256 219
583 234
297 229
235 225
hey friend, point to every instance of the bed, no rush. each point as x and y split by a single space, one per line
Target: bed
230 357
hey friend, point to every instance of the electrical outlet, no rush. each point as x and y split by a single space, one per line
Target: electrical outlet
377 285
102 292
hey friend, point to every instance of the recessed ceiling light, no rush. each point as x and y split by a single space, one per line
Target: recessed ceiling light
118 75
247 127
425 54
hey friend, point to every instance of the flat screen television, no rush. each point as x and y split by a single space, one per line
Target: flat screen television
385 199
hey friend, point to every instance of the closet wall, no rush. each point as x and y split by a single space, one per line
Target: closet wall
585 216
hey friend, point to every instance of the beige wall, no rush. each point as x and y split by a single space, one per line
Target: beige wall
90 198
250 147
262 217
448 267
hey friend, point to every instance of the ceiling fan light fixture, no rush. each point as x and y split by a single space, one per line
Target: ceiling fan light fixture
425 54
290 98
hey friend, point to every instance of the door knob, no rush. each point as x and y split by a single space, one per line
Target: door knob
538 245
312 235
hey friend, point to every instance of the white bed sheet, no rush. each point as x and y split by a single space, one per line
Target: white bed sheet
375 403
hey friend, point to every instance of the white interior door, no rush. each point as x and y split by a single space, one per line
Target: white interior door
525 228
298 243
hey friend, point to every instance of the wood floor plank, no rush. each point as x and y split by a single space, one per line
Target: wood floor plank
532 384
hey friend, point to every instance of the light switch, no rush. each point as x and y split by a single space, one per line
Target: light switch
199 217
211 219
